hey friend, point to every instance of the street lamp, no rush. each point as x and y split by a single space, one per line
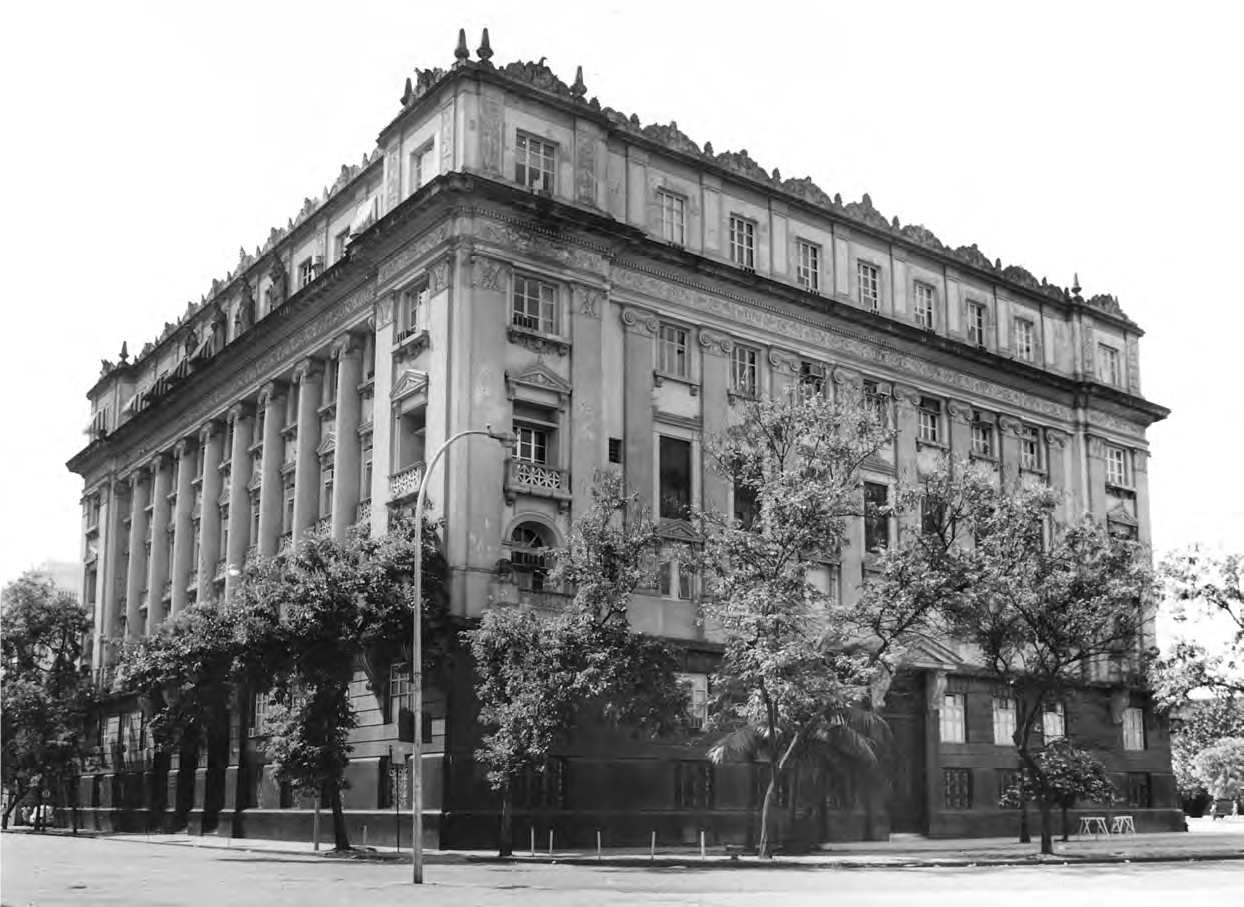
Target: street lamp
416 651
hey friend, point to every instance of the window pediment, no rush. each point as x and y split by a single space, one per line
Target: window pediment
538 384
411 383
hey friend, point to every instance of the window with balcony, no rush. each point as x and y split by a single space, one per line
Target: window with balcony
697 708
672 351
535 305
673 217
954 718
535 163
923 305
1025 340
876 516
1117 472
531 445
674 477
1003 721
1030 448
976 324
929 420
745 371
422 166
1108 371
869 286
529 547
808 266
742 242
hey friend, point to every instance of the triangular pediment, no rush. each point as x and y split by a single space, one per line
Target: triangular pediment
931 653
1120 514
679 531
326 445
541 376
410 382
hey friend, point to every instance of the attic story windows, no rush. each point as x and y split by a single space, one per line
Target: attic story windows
742 242
535 163
673 218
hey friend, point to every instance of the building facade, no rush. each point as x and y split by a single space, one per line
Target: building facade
515 254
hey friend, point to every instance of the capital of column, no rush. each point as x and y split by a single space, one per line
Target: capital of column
308 369
209 430
1010 425
641 321
273 390
846 376
183 447
438 275
157 462
346 346
906 396
959 411
710 341
241 410
136 477
784 360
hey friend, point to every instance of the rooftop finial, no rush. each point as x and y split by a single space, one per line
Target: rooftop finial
461 54
408 94
125 353
1075 285
578 89
484 52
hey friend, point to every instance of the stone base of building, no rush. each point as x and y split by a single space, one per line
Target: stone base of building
1005 824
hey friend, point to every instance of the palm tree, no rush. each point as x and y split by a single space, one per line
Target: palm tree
839 738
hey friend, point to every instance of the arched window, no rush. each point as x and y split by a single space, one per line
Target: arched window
529 544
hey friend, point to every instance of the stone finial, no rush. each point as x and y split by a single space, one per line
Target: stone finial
578 89
1075 284
484 51
461 53
125 354
408 93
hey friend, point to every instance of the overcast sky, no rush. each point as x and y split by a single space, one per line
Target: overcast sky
145 142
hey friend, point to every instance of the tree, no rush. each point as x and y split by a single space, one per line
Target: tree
1041 602
1221 768
1197 724
44 690
538 674
1064 776
788 671
297 627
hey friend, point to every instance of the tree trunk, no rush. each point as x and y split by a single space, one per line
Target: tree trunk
341 840
1066 822
762 849
505 846
1025 834
39 808
17 794
1047 836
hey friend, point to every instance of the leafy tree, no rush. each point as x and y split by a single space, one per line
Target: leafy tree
1196 725
297 626
1221 768
44 690
1040 602
540 673
1063 776
787 673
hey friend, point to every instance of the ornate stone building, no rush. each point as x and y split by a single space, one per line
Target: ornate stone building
514 253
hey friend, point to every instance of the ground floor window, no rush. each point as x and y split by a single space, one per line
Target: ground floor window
957 788
1139 794
693 785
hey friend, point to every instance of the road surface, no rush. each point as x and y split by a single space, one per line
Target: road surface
47 871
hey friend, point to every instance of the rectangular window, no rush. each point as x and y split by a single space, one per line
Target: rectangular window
982 438
289 505
924 306
531 445
1003 721
746 507
1108 365
306 271
672 351
876 517
697 708
675 478
1008 778
929 415
254 520
1138 790
1133 729
693 785
261 708
878 403
326 492
954 718
1025 340
957 788
339 245
870 293
812 376
808 268
1053 721
366 469
744 371
534 163
673 218
422 166
742 242
535 305
1030 447
976 324
413 314
1116 466
399 690
676 580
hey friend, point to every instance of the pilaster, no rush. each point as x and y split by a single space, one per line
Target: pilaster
140 490
158 568
640 327
272 400
347 450
307 466
212 440
240 416
183 526
1056 463
1009 430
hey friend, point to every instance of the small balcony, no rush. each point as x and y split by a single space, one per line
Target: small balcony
323 526
545 600
405 483
362 513
537 479
285 542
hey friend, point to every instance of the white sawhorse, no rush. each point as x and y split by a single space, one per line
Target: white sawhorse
1122 825
1093 825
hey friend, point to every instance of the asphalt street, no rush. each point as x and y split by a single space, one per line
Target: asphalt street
40 871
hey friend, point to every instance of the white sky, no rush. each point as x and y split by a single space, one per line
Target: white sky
145 142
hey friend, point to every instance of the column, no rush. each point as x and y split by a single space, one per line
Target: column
140 489
212 440
1096 504
105 544
587 446
1008 448
239 496
906 465
111 575
640 327
382 417
272 399
183 526
157 569
307 467
958 420
348 351
715 491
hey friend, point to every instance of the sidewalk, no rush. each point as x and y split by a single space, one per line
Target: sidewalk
1205 840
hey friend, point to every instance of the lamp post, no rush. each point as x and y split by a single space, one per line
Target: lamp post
416 652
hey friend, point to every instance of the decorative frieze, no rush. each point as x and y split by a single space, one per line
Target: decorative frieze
438 275
526 240
489 273
411 253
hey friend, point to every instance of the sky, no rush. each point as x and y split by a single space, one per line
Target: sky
146 141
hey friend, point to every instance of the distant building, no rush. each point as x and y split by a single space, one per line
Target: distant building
68 576
514 253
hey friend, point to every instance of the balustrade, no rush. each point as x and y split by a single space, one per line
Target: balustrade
405 483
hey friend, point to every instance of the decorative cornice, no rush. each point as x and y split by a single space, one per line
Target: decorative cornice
542 378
